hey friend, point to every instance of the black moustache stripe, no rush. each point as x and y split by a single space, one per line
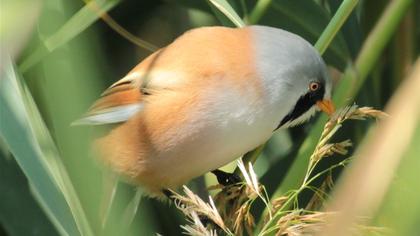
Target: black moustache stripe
304 103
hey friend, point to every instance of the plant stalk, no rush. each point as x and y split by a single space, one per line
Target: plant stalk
343 12
258 11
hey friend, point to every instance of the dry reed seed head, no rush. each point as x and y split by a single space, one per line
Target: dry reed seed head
370 112
252 182
249 176
352 112
334 123
216 216
192 204
343 113
229 200
231 194
250 221
278 202
250 192
356 113
284 223
194 231
197 228
234 201
342 147
243 219
330 149
301 222
235 211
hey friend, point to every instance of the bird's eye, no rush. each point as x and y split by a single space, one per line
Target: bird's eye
314 86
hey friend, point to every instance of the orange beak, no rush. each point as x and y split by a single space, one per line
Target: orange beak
326 106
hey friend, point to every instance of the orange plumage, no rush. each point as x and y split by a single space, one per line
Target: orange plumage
203 101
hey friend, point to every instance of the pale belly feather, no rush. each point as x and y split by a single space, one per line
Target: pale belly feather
220 133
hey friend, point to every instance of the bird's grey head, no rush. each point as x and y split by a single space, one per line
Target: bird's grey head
293 72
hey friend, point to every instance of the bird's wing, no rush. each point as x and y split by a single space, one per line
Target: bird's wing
117 104
127 96
191 60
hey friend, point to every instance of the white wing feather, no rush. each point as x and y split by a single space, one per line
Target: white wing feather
110 115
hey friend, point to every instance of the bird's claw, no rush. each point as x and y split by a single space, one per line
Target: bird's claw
225 178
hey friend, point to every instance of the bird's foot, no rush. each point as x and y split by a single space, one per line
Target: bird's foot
225 178
169 194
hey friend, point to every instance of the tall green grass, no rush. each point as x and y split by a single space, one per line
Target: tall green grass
50 78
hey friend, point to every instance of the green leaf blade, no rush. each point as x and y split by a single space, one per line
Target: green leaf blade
72 28
224 7
15 130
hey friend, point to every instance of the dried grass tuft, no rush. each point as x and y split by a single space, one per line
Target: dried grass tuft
283 216
193 206
301 223
197 228
298 223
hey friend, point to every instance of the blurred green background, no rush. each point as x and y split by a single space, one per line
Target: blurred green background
58 55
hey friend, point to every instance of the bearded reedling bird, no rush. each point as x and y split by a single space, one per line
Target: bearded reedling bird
206 99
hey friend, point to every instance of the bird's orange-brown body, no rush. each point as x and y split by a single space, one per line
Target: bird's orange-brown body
201 102
133 147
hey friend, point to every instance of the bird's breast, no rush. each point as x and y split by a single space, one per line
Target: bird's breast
209 132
